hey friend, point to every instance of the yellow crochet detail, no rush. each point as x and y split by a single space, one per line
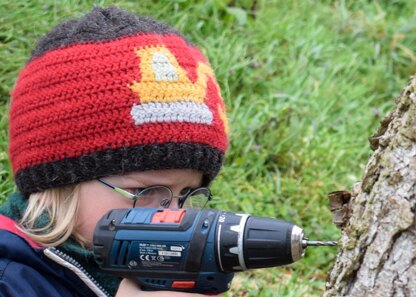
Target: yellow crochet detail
223 116
164 80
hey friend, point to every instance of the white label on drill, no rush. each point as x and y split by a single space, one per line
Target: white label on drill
171 254
157 255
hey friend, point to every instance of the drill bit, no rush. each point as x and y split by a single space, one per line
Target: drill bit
306 243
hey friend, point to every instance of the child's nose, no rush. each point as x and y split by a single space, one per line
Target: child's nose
174 203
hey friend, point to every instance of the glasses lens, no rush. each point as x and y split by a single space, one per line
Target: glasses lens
156 196
197 199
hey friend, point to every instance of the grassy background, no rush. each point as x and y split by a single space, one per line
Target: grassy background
305 84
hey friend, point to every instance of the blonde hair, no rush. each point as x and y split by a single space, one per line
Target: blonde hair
61 207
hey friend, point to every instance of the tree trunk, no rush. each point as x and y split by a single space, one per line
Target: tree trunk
377 255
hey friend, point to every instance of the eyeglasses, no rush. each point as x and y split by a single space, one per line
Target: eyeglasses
162 196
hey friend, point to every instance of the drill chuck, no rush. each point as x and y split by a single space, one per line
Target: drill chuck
246 242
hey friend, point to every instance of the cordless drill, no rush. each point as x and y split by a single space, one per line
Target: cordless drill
193 250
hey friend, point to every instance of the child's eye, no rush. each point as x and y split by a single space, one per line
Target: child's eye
136 191
153 192
185 191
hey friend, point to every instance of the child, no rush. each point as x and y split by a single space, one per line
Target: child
108 101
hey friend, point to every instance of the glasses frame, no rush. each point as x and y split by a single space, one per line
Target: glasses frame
181 198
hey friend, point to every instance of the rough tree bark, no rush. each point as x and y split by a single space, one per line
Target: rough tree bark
377 255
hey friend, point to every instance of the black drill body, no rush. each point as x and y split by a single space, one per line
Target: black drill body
191 250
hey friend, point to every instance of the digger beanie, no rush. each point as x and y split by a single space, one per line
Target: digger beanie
111 93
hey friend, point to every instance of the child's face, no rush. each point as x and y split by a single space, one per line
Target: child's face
95 199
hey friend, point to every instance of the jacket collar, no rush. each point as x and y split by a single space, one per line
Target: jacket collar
12 212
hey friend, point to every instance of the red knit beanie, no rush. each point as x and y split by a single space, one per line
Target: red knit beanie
112 93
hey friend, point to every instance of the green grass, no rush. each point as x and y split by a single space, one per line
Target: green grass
305 84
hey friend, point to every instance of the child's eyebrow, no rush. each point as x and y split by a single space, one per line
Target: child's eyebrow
128 181
142 182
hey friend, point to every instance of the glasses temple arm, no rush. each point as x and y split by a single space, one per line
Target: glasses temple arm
119 190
